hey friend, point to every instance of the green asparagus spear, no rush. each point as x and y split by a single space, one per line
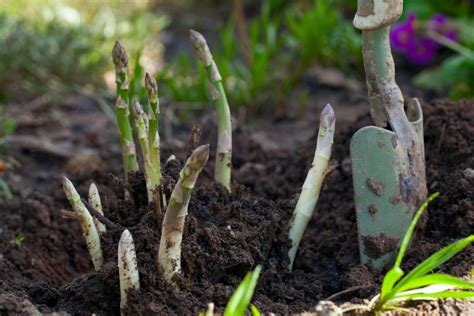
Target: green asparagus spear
169 256
222 172
120 58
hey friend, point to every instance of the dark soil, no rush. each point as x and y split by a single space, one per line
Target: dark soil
226 235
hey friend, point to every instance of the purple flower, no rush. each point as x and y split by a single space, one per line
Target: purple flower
413 38
439 23
422 52
402 35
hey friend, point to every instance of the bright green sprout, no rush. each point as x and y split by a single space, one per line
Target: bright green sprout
240 300
419 283
224 125
18 240
120 59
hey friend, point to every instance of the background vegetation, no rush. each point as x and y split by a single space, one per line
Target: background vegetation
56 47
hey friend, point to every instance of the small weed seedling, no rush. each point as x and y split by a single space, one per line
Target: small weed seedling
240 299
421 283
18 240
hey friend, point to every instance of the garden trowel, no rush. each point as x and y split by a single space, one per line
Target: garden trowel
388 163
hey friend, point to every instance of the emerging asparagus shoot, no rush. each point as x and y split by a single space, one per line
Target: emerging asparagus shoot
153 135
120 58
224 125
312 186
94 200
89 230
142 131
169 256
127 265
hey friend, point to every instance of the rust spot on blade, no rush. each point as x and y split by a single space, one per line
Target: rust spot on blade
373 210
375 186
375 247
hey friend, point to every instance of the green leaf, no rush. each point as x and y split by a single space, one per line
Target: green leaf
435 260
411 229
436 278
392 276
446 294
240 300
254 310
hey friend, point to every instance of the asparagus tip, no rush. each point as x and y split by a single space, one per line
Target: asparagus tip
200 46
197 38
68 187
119 55
138 109
125 241
150 83
328 117
200 155
93 188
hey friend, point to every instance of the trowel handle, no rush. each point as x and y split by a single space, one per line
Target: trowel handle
374 18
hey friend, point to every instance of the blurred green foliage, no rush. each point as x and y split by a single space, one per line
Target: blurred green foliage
46 57
426 9
284 41
323 36
55 47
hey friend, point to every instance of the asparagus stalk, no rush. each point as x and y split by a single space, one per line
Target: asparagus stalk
224 125
120 58
312 186
94 201
169 255
127 265
153 133
142 131
89 230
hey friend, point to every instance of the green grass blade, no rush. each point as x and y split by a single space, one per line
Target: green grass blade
436 278
411 229
240 300
392 276
435 260
254 310
420 296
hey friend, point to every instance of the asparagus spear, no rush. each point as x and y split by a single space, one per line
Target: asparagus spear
120 58
94 200
153 134
169 255
224 125
312 186
142 130
89 230
127 265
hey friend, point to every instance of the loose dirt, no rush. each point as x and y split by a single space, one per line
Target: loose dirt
226 235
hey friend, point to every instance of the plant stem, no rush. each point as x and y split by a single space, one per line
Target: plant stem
89 231
169 256
312 186
222 172
127 265
120 58
94 201
453 45
153 136
142 131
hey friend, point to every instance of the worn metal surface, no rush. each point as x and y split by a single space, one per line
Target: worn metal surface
375 14
388 165
383 212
